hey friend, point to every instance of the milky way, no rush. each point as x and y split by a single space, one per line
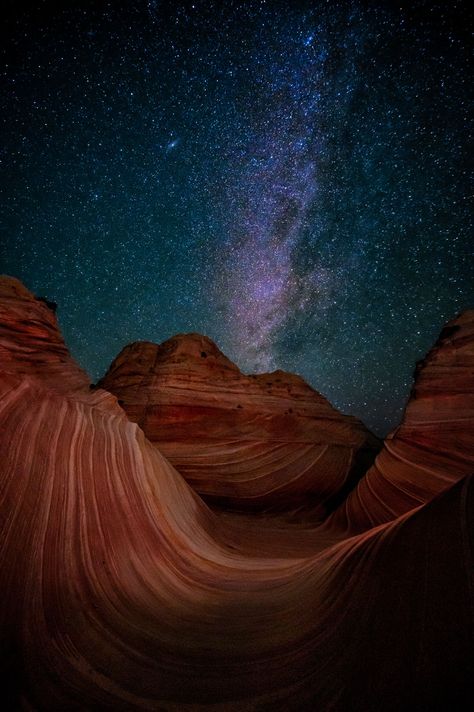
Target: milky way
291 179
276 195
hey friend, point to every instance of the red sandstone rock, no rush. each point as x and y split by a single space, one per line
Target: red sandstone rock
244 441
121 590
30 341
434 445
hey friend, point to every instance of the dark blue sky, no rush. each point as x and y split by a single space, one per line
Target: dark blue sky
291 179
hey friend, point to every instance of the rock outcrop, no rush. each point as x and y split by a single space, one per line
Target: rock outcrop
261 441
122 590
433 447
30 341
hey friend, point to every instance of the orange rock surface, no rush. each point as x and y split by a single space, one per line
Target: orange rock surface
264 441
122 590
434 446
30 341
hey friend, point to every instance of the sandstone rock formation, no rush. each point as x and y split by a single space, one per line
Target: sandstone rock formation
434 445
30 341
263 441
122 590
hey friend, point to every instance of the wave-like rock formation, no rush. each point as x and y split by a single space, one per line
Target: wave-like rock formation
122 590
433 447
261 441
30 341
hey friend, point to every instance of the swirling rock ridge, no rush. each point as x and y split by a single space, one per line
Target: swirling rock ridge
122 589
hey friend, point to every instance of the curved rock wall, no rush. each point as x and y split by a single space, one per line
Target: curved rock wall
261 442
433 447
122 590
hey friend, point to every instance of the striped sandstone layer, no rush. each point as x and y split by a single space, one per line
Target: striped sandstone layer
433 447
122 590
262 441
30 341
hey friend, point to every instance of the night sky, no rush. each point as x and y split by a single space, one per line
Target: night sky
291 179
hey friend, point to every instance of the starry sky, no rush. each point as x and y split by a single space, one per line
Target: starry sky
291 179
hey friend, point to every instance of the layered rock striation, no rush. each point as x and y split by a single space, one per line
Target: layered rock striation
122 590
433 447
31 343
261 441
